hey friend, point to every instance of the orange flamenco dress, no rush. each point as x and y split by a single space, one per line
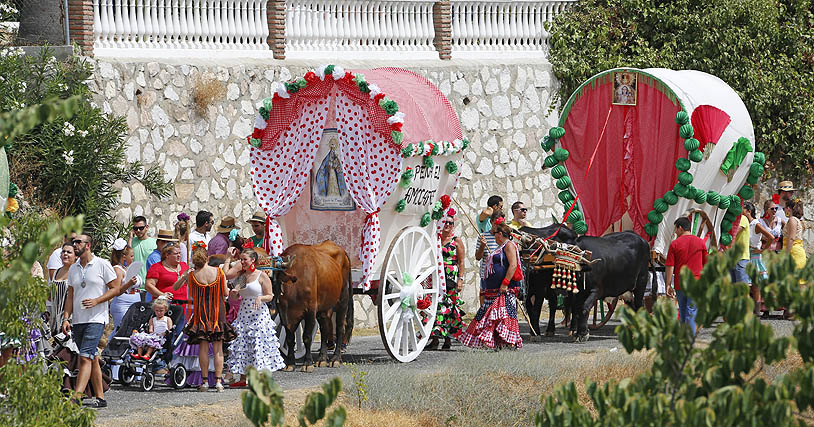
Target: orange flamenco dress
208 322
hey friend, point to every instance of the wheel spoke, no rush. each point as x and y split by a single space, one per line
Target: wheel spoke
393 281
405 334
426 291
411 335
424 274
423 259
391 296
398 327
393 309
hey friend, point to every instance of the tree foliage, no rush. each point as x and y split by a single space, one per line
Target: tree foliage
762 49
72 165
717 383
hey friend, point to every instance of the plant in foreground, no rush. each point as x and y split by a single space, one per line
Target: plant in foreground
263 402
714 384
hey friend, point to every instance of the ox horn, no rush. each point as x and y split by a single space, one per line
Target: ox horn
286 262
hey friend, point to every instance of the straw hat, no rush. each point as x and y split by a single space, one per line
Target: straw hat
166 235
785 186
258 216
226 225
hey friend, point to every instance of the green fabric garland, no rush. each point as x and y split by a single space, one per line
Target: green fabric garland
746 192
267 104
724 203
561 154
428 162
691 192
734 204
760 158
685 131
696 156
255 142
12 190
730 216
756 169
329 69
701 197
464 144
389 106
691 144
563 183
558 171
401 205
291 87
651 229
726 240
726 225
397 137
547 143
556 132
680 189
683 164
425 219
301 82
550 161
264 112
655 217
682 118
670 197
685 178
713 198
660 206
452 167
565 196
580 227
575 216
752 179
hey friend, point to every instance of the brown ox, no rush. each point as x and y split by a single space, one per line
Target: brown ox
315 284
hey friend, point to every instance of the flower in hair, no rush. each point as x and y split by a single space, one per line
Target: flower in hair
183 217
233 235
500 220
199 244
451 212
775 198
249 244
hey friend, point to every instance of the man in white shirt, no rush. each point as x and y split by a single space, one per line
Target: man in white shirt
55 260
91 283
785 189
203 223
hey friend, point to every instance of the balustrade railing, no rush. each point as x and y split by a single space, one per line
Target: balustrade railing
366 28
179 24
490 26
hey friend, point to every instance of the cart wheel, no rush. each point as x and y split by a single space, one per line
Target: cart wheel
179 376
405 331
147 381
299 347
602 313
126 375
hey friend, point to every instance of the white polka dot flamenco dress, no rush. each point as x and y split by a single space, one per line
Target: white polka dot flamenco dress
256 343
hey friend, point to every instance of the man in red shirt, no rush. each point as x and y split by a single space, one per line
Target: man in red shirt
687 250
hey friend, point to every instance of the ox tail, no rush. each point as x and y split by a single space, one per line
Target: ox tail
349 311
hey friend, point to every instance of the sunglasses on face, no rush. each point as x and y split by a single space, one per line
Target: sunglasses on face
449 223
77 241
139 228
524 210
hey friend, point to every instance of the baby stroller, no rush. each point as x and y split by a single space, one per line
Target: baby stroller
132 370
63 354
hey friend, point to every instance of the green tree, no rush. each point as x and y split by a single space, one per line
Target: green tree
763 49
717 383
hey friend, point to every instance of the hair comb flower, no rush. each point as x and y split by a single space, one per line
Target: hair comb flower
199 244
249 244
776 198
500 220
233 235
183 217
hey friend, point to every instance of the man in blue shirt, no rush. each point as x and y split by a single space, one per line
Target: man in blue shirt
493 204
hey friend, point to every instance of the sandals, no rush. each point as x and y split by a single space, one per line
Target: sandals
204 386
219 385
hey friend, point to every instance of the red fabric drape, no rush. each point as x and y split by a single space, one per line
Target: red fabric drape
635 157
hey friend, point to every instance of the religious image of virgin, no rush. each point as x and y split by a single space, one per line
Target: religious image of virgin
329 179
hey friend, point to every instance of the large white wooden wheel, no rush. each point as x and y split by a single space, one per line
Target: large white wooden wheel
409 273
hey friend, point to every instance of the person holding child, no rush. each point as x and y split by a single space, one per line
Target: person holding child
158 328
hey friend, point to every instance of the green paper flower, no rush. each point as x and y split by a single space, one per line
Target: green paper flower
752 179
651 229
685 178
291 87
556 132
701 197
660 206
428 162
726 240
683 164
655 217
696 156
436 148
425 219
691 144
563 183
436 215
302 83
734 204
691 192
580 227
363 87
685 131
550 161
452 167
407 151
397 137
437 206
561 154
255 142
329 69
747 192
558 172
400 205
670 197
389 106
565 196
408 174
682 118
464 144
267 104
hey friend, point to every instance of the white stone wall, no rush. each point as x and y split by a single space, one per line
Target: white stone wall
502 108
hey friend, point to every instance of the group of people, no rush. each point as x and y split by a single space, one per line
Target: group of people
223 295
778 229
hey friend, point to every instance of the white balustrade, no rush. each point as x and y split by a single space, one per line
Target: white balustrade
392 29
150 27
482 28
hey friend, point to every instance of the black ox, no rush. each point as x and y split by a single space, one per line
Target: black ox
623 266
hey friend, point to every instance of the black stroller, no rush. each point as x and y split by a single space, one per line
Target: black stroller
131 370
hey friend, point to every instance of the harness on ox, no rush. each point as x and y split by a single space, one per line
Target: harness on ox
566 260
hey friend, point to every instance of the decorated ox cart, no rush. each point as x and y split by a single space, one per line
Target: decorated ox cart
363 158
636 149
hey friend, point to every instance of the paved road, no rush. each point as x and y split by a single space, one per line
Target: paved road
363 350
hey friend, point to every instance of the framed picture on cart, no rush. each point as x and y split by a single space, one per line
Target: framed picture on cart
624 88
329 192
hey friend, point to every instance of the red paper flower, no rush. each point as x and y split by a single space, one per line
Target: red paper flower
311 77
428 149
249 244
776 198
451 212
348 78
378 97
424 303
258 133
445 201
275 97
396 126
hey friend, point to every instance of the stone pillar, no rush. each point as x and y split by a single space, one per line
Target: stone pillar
275 14
80 23
41 22
442 21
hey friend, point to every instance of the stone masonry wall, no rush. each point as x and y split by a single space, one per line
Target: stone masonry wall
502 108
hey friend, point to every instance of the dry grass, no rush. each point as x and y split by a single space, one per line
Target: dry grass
205 92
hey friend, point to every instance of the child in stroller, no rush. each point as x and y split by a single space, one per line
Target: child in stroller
146 370
158 327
